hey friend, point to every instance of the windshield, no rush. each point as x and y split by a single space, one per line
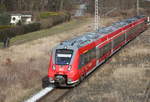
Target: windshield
63 56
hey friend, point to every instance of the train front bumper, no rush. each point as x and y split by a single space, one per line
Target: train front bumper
60 81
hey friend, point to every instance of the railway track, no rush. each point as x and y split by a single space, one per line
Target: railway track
40 94
51 94
57 94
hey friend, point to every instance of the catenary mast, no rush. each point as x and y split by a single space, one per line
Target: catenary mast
96 23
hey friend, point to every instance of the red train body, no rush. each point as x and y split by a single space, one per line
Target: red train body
74 59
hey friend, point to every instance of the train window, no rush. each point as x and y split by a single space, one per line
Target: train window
134 30
93 53
63 56
101 52
86 57
104 50
90 55
82 61
138 27
129 33
118 40
97 53
143 24
145 21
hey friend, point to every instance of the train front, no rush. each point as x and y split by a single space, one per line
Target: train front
63 67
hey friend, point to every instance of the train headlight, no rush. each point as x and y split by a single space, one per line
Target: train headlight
69 80
51 80
69 68
54 68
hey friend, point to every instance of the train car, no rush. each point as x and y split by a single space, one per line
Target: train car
72 60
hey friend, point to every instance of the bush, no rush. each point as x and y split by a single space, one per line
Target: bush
55 19
44 15
5 27
46 23
31 27
4 19
18 30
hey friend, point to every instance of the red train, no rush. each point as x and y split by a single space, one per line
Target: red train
74 59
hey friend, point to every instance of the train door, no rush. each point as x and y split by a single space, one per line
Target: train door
97 55
92 59
82 67
112 46
87 61
125 36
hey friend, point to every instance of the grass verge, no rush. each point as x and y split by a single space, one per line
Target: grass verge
47 32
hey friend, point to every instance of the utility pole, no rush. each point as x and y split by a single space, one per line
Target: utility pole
96 25
137 5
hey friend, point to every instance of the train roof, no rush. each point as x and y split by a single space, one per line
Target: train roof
81 40
89 37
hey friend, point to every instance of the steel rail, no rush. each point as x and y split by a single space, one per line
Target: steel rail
40 94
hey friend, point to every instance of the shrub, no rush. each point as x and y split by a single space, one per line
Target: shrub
46 23
18 30
4 19
31 27
55 19
2 8
5 27
44 15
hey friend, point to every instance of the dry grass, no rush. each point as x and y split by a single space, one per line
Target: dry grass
123 78
23 66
